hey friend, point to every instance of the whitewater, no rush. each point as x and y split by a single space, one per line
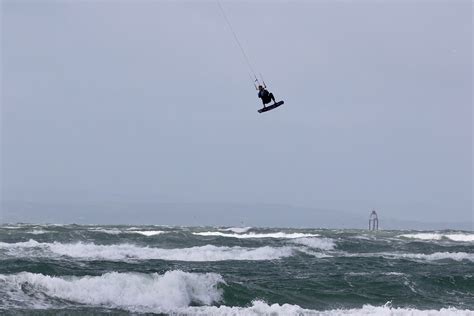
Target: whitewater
163 270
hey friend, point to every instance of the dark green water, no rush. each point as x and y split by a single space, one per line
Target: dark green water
75 270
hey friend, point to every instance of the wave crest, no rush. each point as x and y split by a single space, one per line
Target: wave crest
318 243
438 236
238 230
91 251
280 235
130 291
259 308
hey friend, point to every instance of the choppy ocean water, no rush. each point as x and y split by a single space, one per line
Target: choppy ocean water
77 269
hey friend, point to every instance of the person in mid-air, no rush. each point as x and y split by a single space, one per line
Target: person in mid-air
265 95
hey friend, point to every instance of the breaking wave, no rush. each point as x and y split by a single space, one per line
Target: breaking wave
318 243
280 235
439 236
91 251
238 230
259 308
116 231
457 256
113 231
37 232
147 233
175 292
130 291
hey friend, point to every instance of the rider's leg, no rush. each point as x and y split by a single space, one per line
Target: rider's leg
272 97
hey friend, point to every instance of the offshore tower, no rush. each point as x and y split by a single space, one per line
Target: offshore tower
373 221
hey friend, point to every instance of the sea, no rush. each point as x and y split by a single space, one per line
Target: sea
165 270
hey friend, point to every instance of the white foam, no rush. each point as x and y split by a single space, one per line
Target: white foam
423 236
280 235
133 228
238 230
120 252
439 236
363 237
314 253
372 273
148 233
460 237
259 308
18 245
391 311
171 293
394 273
358 273
457 256
318 243
37 232
113 231
130 291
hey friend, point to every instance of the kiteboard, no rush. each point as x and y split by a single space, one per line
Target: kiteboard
271 107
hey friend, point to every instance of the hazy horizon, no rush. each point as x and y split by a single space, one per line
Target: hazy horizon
208 214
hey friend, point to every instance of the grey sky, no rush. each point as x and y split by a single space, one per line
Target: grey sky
151 100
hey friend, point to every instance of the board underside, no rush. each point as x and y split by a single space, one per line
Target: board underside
271 107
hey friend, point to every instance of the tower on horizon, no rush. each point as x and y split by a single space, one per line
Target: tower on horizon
373 221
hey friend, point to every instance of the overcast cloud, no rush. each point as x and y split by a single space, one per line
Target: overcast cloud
151 100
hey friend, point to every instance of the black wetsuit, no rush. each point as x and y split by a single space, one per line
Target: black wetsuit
266 96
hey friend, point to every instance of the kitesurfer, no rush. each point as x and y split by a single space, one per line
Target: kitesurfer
265 95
